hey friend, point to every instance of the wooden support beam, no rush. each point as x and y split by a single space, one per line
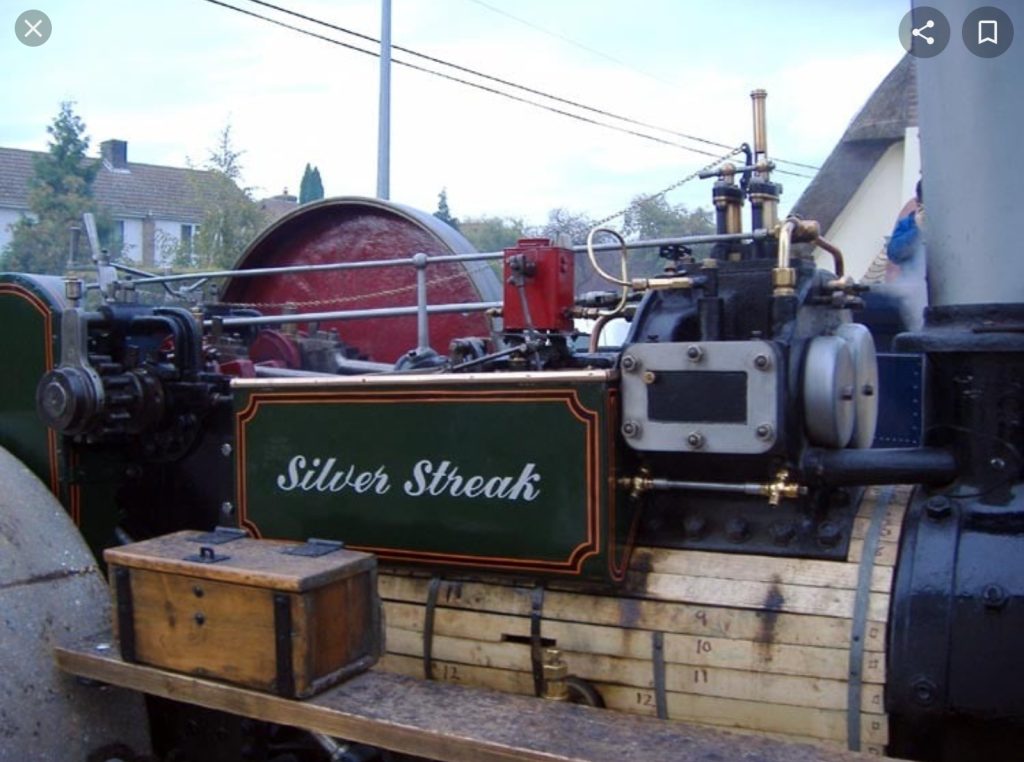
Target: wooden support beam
448 722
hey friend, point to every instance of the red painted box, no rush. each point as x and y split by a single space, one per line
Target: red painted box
547 276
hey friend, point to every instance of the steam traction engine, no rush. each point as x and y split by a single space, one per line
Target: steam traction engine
692 525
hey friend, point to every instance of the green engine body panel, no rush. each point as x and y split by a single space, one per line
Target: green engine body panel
503 472
30 309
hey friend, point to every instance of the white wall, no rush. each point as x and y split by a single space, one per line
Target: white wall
132 249
861 228
7 218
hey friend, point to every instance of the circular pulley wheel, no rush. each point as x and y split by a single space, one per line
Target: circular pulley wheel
829 392
355 230
865 371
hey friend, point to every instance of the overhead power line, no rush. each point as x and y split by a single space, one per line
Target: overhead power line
574 43
477 85
524 88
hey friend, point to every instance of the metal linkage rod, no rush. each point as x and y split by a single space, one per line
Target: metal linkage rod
383 312
364 265
256 272
754 235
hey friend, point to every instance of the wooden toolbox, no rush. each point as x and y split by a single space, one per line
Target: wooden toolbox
285 617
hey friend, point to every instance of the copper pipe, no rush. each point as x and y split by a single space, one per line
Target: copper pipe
837 255
595 332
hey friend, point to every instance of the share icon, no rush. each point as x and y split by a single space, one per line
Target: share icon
919 32
924 31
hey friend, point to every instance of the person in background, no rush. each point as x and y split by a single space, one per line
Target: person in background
906 272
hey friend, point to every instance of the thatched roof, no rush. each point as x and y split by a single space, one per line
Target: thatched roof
882 121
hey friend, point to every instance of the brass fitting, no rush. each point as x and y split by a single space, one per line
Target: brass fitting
555 672
661 284
637 485
784 281
781 488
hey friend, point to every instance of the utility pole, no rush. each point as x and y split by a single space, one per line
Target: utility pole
384 115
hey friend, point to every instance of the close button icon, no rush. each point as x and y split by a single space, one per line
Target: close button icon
33 28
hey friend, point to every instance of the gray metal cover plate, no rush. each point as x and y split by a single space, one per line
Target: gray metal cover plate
762 383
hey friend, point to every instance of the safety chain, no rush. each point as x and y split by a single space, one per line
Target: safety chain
672 187
356 297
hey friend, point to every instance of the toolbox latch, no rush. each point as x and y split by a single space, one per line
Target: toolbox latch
314 547
207 555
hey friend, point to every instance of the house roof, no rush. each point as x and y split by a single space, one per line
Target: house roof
166 193
882 121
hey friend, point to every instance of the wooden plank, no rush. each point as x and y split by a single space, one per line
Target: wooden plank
734 566
723 683
683 618
775 658
885 552
807 722
754 595
751 715
711 681
449 723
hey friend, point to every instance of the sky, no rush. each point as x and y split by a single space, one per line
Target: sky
168 76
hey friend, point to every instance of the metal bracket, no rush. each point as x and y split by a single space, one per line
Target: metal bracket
125 612
860 616
536 644
285 683
428 628
314 548
658 661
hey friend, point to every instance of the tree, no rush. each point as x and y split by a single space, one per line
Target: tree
231 218
649 218
60 191
443 213
655 218
573 224
311 188
493 233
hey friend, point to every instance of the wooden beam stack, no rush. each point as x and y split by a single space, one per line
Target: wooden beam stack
751 643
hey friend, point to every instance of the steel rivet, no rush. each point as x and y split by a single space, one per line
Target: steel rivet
694 352
630 429
764 431
762 362
630 363
225 449
695 440
227 508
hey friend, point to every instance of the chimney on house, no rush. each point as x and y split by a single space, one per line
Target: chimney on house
114 153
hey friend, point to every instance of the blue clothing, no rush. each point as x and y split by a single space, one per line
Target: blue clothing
905 240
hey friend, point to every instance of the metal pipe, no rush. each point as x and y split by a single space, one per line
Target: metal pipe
837 255
383 312
911 465
384 115
785 241
422 327
363 265
753 235
256 272
595 331
760 124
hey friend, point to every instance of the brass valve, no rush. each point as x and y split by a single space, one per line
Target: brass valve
555 673
780 488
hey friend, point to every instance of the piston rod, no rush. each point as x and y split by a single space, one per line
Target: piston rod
383 312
